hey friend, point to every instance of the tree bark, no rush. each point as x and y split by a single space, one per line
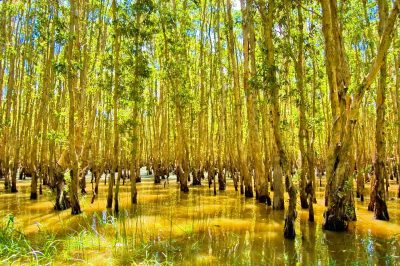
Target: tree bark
303 131
116 49
345 114
75 206
279 157
241 154
378 196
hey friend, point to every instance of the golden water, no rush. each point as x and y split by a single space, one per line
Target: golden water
202 229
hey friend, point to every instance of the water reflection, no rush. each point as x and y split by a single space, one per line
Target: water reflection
201 228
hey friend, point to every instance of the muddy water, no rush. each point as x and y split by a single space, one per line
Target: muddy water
202 229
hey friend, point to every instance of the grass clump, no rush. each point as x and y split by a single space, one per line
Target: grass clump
15 246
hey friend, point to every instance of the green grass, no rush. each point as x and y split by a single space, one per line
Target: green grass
80 245
15 246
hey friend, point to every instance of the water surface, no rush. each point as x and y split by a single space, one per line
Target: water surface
202 229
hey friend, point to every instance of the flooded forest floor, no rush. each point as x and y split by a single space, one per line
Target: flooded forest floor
169 227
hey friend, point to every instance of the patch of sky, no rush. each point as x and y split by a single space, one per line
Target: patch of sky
4 92
57 48
157 65
94 15
236 5
26 65
36 29
191 33
372 11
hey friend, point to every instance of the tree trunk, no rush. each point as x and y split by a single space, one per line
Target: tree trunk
75 206
253 125
397 71
378 198
62 202
270 83
241 159
34 194
303 131
116 48
345 114
96 178
289 230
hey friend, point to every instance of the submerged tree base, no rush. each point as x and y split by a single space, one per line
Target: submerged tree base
278 204
248 192
265 199
303 202
184 188
62 205
134 198
116 207
334 223
76 210
380 211
62 200
289 232
34 196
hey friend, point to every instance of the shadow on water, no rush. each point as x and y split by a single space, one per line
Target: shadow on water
201 228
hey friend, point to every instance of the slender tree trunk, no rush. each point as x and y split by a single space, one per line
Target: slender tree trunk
303 131
75 206
242 164
378 196
116 48
250 71
397 67
279 157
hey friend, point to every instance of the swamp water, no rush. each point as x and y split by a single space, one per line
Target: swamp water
168 227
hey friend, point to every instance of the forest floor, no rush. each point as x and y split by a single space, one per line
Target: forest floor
169 227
